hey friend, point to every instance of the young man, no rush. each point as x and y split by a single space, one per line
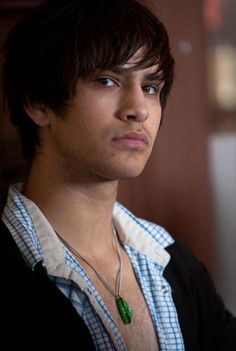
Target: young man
86 83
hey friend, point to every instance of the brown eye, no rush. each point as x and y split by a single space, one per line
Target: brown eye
151 89
106 82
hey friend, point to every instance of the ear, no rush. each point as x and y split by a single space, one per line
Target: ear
38 113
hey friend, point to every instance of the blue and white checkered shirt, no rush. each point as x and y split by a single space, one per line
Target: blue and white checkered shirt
145 244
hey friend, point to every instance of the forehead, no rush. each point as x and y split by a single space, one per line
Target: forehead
133 65
137 57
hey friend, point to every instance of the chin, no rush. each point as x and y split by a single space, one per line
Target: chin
122 168
128 172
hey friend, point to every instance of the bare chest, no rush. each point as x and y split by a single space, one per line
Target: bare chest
139 335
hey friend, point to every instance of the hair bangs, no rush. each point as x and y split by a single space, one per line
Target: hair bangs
114 40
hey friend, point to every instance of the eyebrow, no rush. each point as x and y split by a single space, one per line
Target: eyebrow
154 76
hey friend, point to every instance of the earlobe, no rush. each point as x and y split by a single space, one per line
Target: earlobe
38 113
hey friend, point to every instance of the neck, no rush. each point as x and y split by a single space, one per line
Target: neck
81 212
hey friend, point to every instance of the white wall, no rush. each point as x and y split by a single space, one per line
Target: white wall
222 155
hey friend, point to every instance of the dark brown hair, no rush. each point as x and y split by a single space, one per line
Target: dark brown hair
63 40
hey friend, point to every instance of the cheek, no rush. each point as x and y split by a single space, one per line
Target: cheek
91 118
155 113
94 105
153 127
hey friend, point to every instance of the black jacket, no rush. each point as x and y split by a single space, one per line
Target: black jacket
34 314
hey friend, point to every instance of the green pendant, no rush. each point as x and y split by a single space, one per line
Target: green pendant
124 309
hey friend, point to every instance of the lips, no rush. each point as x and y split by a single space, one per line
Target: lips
137 140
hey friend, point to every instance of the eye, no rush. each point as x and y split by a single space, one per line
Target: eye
106 82
151 89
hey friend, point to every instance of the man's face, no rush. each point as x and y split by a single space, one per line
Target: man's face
110 126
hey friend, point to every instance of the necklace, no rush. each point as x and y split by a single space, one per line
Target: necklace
123 307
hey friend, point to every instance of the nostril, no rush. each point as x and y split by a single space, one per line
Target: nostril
131 117
136 114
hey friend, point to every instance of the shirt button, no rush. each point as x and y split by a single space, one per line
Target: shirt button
89 291
164 289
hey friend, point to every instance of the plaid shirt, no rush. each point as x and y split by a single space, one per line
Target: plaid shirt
145 244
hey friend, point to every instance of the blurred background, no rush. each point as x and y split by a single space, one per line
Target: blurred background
189 184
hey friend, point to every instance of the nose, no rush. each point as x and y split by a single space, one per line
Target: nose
133 106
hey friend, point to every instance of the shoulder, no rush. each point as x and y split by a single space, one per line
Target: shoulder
182 255
190 276
201 310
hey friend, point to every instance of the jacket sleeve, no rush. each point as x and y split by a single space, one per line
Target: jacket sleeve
35 314
205 322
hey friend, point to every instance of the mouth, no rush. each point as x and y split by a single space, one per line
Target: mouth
132 140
